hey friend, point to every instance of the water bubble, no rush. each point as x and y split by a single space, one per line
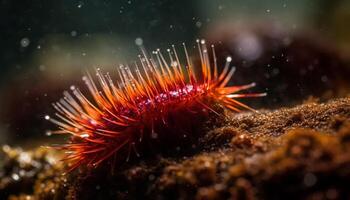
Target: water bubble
42 67
15 177
74 33
324 78
25 42
248 46
151 177
310 179
154 135
6 148
24 157
138 41
48 133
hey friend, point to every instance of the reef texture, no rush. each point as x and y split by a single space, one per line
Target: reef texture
290 153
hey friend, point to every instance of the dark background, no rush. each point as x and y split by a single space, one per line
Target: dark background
46 45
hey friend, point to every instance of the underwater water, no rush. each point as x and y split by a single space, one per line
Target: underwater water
186 100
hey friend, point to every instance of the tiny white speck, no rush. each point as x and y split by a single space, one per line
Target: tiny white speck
229 59
24 158
198 24
47 117
154 135
15 177
25 42
48 133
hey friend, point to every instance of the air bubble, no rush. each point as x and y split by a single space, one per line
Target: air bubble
25 42
138 41
15 177
48 133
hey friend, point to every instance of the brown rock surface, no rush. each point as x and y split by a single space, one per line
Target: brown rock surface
300 152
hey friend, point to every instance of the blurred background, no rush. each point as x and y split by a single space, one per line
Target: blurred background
293 49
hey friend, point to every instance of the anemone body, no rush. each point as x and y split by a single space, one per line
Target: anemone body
159 99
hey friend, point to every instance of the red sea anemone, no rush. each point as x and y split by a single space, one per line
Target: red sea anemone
157 99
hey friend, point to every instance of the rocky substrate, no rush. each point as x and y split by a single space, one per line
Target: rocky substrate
291 153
